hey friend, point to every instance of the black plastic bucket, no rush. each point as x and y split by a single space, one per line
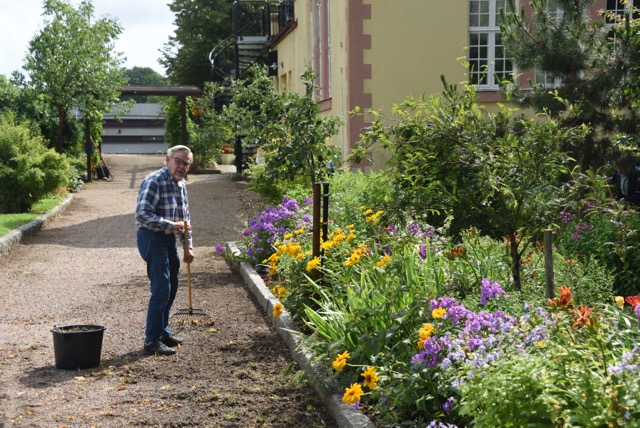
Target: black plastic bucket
77 346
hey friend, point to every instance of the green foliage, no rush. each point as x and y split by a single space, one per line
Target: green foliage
607 233
579 60
286 127
173 129
508 361
72 63
28 170
200 26
490 171
147 77
575 378
213 132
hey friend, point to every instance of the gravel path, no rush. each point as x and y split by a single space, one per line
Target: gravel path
84 267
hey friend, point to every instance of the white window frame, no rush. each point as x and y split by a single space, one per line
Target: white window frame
486 54
540 77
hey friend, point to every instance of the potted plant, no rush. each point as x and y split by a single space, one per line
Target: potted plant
226 155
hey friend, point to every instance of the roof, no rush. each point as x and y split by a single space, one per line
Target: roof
169 91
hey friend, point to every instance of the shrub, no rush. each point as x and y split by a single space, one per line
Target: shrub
28 170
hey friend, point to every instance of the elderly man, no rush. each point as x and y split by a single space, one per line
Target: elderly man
161 212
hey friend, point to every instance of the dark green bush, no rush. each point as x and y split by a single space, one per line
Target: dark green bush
28 170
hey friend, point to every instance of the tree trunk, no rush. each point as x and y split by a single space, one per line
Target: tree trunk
515 261
62 118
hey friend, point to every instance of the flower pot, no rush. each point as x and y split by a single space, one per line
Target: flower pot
227 158
77 346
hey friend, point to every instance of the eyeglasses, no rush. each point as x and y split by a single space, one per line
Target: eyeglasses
182 162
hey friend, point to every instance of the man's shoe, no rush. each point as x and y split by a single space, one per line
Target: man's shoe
158 348
172 341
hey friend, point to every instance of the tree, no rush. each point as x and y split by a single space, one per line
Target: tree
144 76
490 171
584 66
285 126
72 63
28 170
200 26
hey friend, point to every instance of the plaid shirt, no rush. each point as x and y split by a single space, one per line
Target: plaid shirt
162 201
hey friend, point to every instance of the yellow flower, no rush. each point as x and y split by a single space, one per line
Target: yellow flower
299 231
273 269
313 264
281 291
326 245
352 394
425 332
383 261
277 309
620 301
438 313
288 236
341 361
370 377
367 212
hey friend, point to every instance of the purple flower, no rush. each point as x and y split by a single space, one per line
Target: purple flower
219 249
308 201
489 291
413 229
423 251
636 311
448 405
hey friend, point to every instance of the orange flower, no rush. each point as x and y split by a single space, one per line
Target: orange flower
582 316
632 300
566 298
457 252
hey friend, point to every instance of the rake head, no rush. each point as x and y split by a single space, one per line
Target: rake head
192 316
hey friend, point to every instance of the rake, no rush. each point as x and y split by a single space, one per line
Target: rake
186 314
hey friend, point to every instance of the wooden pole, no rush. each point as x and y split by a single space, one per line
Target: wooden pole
548 262
315 235
325 211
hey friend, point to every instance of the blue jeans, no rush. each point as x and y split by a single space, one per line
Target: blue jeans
163 264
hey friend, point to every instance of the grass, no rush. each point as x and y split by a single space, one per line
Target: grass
8 222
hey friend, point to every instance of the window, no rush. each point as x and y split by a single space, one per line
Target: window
488 59
555 13
322 47
620 8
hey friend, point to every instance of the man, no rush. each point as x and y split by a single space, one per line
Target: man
161 212
627 180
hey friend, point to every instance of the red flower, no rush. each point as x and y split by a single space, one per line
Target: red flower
632 300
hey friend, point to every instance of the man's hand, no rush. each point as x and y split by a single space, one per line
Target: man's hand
188 255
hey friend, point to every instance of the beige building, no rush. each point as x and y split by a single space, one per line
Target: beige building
371 54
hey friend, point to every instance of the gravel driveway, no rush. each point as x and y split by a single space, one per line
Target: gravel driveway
84 267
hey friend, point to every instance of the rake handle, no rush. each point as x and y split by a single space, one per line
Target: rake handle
186 247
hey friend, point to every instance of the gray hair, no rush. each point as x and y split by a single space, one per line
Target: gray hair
178 148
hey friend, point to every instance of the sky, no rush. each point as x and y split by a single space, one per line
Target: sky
146 25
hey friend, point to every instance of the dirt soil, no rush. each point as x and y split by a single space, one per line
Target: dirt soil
84 268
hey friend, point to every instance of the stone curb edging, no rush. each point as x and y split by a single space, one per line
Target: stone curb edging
15 237
344 415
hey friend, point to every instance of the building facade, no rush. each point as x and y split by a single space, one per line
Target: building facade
372 54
